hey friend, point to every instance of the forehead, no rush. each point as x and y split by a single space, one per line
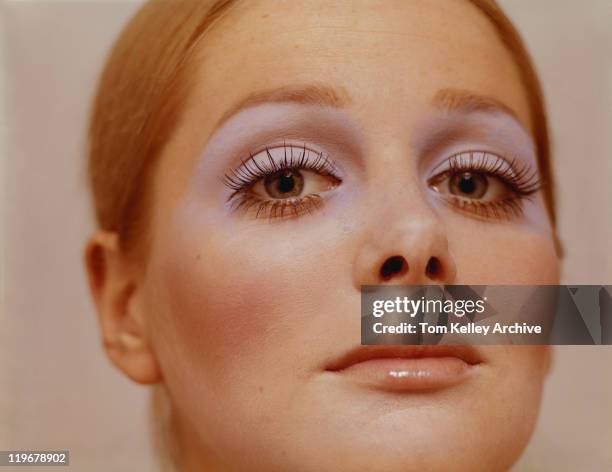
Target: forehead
389 57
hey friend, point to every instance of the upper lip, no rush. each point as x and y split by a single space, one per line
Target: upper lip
365 353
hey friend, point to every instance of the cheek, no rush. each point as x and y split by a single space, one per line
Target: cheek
520 374
223 297
504 255
518 381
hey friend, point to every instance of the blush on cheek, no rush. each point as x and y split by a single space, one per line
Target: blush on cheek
220 298
214 307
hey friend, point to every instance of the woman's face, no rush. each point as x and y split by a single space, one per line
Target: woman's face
320 139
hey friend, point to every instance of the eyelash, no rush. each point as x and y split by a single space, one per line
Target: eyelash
243 178
520 178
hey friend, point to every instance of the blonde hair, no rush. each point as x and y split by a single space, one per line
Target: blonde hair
139 100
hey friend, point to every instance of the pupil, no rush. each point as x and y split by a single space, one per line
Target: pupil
467 183
286 182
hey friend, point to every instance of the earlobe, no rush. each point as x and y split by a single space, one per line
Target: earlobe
115 285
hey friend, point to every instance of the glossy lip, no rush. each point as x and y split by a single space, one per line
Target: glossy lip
408 368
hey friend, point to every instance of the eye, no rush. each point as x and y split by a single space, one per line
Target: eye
284 184
282 181
485 184
474 185
292 183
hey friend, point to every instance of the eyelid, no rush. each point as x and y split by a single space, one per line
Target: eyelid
283 145
252 170
520 176
473 155
244 179
520 179
452 132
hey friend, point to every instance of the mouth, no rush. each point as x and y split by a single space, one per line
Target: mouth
407 368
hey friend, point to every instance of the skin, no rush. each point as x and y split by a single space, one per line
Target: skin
239 316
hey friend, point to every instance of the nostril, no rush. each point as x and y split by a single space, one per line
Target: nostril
433 268
393 266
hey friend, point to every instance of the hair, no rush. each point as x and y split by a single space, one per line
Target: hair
139 100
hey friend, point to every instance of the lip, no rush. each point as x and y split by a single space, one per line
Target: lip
408 368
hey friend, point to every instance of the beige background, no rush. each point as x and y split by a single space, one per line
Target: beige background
56 388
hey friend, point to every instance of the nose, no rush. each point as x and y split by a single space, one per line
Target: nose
407 249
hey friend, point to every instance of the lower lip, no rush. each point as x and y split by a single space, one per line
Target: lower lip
412 374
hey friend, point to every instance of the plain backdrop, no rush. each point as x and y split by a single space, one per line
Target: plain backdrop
58 391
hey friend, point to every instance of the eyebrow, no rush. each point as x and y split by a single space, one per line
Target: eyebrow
435 134
304 94
468 102
319 94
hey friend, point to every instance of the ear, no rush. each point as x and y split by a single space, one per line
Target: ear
115 286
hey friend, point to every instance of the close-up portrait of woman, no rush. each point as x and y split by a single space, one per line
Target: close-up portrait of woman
250 166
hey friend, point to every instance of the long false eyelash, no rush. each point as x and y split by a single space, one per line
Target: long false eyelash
501 210
520 177
522 180
251 171
281 209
